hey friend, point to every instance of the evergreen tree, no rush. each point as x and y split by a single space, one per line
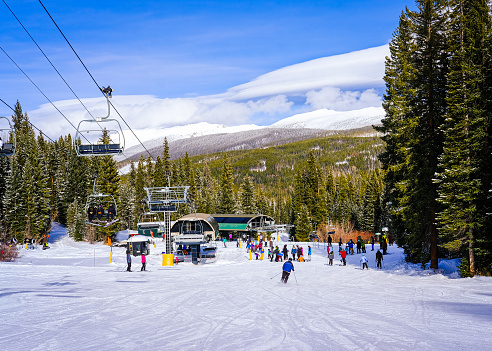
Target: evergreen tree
226 191
76 220
465 175
303 224
247 196
415 105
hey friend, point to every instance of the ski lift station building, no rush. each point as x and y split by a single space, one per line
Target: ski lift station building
222 225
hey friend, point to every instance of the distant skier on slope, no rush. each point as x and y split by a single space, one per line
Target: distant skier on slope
286 268
379 257
363 260
128 261
343 255
331 256
144 262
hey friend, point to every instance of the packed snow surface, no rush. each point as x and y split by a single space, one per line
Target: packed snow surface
70 297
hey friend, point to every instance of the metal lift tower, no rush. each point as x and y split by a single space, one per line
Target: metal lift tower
166 200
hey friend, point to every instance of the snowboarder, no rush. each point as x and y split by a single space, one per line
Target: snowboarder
286 268
343 255
144 262
379 257
331 256
363 260
128 261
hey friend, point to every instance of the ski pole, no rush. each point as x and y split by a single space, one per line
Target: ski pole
275 275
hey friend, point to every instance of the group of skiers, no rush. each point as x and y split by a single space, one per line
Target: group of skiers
129 262
99 213
349 250
297 253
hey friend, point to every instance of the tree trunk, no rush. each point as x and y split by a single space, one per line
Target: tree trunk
471 253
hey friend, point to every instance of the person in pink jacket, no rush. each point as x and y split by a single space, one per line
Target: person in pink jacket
144 262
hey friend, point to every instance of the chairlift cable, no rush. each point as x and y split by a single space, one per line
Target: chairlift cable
51 63
93 79
39 89
39 130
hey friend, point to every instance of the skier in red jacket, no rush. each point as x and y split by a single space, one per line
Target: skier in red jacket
343 254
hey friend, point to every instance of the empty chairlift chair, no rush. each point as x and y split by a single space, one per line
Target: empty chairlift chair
101 136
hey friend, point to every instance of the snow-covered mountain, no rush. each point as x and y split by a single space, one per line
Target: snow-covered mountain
333 120
208 138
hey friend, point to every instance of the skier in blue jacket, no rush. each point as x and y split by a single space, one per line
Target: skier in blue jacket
287 267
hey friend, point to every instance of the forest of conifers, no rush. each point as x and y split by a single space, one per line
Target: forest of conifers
427 176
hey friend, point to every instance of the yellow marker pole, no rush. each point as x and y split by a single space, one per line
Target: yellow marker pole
261 257
239 243
250 256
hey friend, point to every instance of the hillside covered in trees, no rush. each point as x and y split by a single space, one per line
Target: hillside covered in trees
427 178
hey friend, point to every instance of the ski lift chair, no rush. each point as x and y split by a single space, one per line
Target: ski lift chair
101 209
89 131
7 137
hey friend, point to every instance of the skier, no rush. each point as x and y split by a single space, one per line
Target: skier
90 213
340 244
286 252
286 268
144 262
372 243
351 246
309 253
129 261
343 255
363 243
331 256
100 212
224 241
329 240
111 212
379 257
293 252
363 260
359 246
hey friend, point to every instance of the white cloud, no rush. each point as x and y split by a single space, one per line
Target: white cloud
341 82
358 69
337 99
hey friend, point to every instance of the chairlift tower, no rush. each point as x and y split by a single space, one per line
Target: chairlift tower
166 200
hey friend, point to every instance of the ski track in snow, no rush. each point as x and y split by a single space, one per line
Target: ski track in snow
71 298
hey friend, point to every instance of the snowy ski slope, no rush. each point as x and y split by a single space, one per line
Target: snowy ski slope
71 298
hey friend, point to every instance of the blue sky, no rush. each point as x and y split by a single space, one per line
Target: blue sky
177 49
